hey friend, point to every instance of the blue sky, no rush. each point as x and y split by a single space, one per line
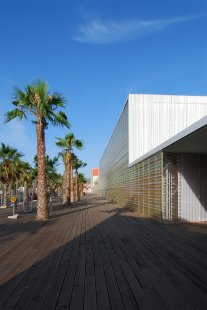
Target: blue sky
97 52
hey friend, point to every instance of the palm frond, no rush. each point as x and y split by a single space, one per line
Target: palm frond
13 114
57 100
78 144
77 163
59 119
82 178
24 100
69 137
41 87
62 154
61 142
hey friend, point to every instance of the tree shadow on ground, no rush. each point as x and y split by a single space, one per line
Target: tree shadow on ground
103 257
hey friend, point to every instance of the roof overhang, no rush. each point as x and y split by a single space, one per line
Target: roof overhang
193 139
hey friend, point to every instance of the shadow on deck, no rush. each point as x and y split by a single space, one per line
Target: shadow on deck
95 255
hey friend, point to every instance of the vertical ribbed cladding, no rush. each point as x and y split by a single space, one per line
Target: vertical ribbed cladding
154 119
134 171
138 187
146 187
171 186
114 163
193 175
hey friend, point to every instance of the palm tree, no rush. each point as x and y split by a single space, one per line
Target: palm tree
37 102
68 143
9 165
26 176
51 171
65 181
56 183
82 181
77 164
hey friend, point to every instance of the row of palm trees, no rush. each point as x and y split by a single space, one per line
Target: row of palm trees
15 173
10 168
44 108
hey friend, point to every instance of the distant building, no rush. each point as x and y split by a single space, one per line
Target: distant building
156 159
87 188
94 176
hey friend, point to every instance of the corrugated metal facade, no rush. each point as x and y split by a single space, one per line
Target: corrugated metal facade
114 163
145 186
169 186
184 187
138 187
193 190
153 119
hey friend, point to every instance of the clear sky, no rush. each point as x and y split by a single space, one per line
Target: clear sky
96 52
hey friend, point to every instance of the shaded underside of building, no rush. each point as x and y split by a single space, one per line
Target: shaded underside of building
168 180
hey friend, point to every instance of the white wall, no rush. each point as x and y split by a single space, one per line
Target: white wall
153 119
193 194
95 180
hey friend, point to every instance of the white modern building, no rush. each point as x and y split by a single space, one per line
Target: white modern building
156 160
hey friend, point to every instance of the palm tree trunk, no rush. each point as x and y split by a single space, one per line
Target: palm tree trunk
10 190
5 195
66 179
69 177
77 193
78 189
26 191
64 190
82 190
42 208
16 190
72 186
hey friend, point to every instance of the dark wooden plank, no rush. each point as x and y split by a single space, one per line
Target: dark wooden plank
115 298
131 282
31 256
20 284
100 279
40 295
77 300
172 262
166 291
65 296
11 242
90 302
173 290
130 288
56 285
169 300
100 256
13 260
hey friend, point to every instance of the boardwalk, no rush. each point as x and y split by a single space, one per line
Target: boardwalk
96 255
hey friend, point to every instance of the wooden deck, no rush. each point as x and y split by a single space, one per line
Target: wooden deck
96 255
